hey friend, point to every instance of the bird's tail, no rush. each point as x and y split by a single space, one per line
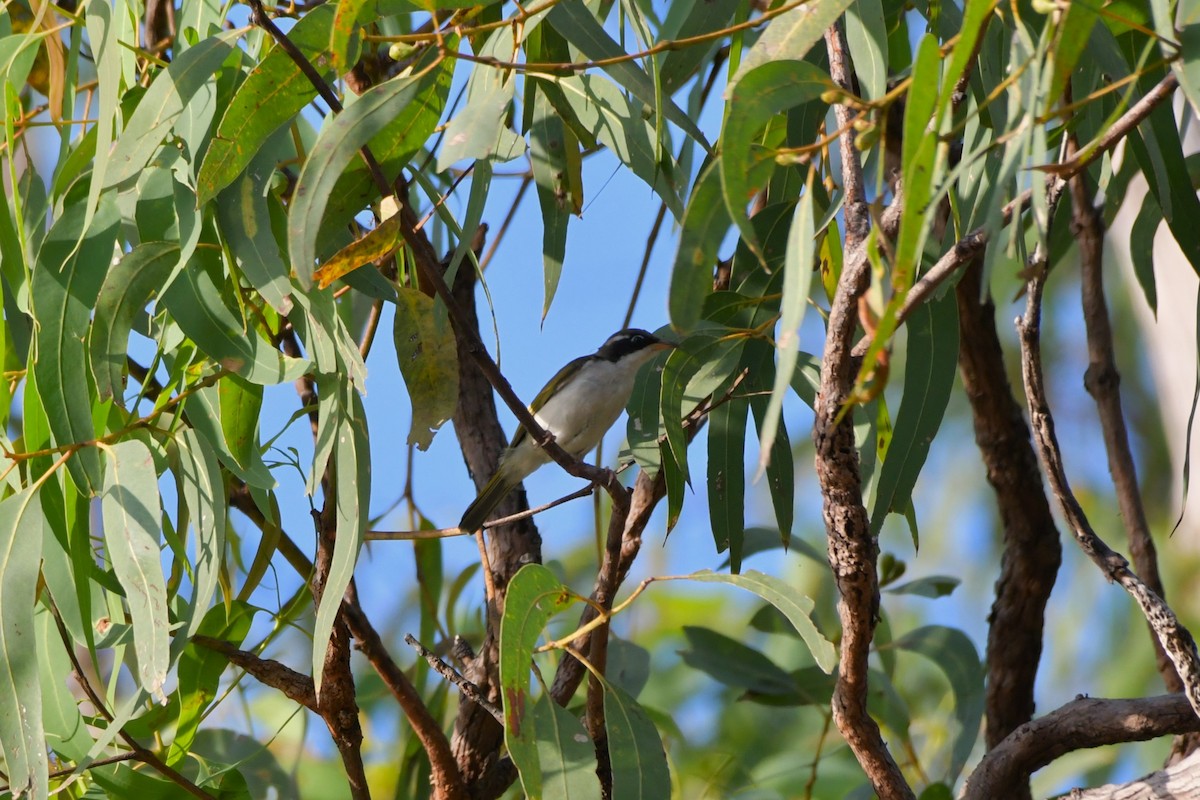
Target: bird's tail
477 513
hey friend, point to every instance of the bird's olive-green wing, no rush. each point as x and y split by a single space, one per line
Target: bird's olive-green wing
545 394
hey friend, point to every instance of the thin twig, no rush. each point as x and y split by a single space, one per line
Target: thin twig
508 218
454 676
1175 638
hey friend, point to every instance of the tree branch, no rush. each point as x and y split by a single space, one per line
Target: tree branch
852 549
1080 724
1175 638
1032 549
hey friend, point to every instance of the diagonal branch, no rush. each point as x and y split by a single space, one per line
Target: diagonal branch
1175 638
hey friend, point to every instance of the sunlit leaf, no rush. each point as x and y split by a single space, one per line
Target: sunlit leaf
705 223
377 243
197 302
480 130
129 285
70 270
575 22
338 143
274 92
754 100
352 465
131 511
794 605
203 490
534 596
165 101
797 281
929 375
22 738
790 35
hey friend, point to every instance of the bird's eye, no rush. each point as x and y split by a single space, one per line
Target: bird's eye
638 339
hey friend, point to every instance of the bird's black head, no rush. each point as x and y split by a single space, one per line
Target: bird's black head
629 341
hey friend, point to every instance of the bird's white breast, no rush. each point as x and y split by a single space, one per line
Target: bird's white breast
582 411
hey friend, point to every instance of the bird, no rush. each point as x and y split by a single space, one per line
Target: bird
578 405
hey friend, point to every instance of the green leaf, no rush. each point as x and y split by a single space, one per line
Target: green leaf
197 303
733 663
705 223
403 135
129 285
131 512
1141 249
727 478
794 605
241 404
757 98
203 408
428 357
249 229
635 750
352 465
611 118
565 752
575 22
200 670
866 36
70 270
682 363
791 35
919 151
781 477
1160 154
687 19
974 19
929 373
164 102
645 416
338 143
556 162
797 281
480 130
955 655
22 738
106 54
1185 27
199 480
1071 38
534 596
931 586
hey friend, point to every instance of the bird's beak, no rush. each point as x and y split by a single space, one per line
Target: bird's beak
663 345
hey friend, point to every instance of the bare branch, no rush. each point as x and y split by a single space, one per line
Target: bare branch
1080 724
1175 638
1032 549
454 676
852 549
